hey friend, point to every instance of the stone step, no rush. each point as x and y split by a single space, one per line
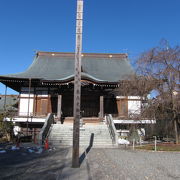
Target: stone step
62 135
83 127
84 134
82 131
82 140
82 137
55 126
87 142
94 144
86 145
86 130
81 134
88 136
81 144
69 143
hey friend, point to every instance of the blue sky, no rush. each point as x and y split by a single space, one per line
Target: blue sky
110 26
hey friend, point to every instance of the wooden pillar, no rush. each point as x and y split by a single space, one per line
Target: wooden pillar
118 101
77 85
34 102
59 104
101 114
28 114
5 94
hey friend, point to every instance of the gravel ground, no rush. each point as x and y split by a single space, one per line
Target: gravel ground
100 164
116 164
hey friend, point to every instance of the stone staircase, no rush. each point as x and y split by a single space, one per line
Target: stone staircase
98 135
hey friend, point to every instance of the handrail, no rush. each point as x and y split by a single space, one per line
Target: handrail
46 127
112 129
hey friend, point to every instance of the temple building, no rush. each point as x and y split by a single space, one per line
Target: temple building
47 86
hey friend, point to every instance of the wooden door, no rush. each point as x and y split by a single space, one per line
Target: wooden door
90 105
41 107
67 105
110 105
122 105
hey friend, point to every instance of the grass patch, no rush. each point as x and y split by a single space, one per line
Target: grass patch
161 147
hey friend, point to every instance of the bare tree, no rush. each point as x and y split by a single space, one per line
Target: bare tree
159 70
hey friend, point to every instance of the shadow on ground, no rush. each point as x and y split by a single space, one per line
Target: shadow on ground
20 164
83 156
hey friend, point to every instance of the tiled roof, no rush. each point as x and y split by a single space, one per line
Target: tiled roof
60 67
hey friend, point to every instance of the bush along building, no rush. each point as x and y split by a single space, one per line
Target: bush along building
46 95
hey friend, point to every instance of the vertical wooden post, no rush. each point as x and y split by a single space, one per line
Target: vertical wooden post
77 84
133 143
34 94
118 102
101 107
155 143
28 114
59 107
5 98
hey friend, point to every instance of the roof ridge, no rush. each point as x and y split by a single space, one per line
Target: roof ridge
71 54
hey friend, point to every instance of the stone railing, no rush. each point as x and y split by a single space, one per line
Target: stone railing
46 127
112 129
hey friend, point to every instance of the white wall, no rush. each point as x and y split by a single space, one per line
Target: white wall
134 97
134 106
24 99
23 105
26 95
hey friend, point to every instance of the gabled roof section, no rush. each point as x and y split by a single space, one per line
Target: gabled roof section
57 66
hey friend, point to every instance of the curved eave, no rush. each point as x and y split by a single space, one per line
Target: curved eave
82 79
84 76
14 79
63 80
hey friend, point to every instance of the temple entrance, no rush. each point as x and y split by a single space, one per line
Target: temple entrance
67 105
89 105
110 105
